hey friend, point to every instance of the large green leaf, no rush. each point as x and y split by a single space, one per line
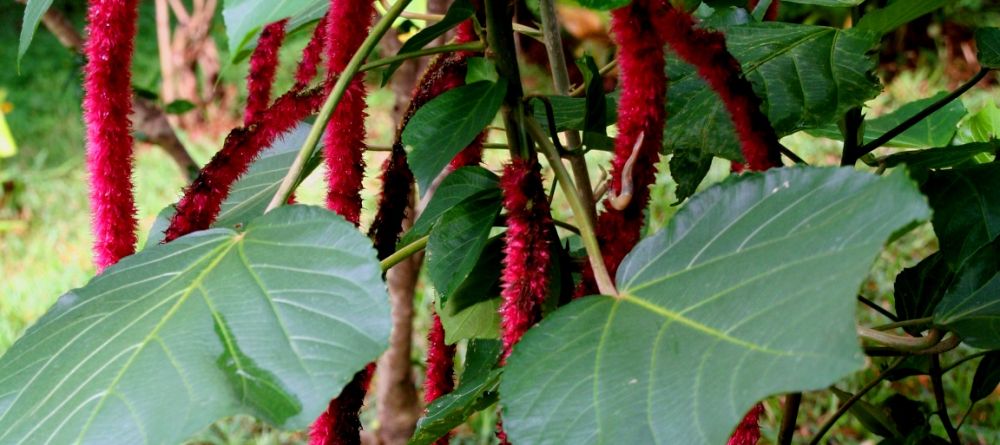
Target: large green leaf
246 18
898 13
456 187
269 322
987 377
459 238
934 131
33 13
747 293
988 44
966 209
447 124
481 320
918 289
807 76
971 305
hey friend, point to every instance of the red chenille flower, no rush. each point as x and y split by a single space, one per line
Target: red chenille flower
263 66
107 104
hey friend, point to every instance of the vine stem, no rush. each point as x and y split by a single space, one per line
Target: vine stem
931 109
850 402
604 283
405 252
942 407
552 36
910 344
336 94
963 360
468 46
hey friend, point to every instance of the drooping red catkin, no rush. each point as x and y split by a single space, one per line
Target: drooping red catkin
706 50
311 56
347 25
439 378
263 66
397 184
525 277
641 115
202 200
748 431
107 104
340 424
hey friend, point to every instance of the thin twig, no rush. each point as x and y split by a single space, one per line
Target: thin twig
942 407
337 93
581 89
877 308
963 360
851 401
926 321
469 46
909 344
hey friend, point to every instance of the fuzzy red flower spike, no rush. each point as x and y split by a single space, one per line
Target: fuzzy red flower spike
263 66
107 104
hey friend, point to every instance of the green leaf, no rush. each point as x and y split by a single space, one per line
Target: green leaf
481 320
250 194
988 44
569 113
898 13
595 122
747 293
458 12
603 5
871 417
834 3
459 238
918 289
806 76
985 124
476 392
33 12
971 305
688 167
966 209
245 19
157 232
934 131
270 322
483 281
987 377
479 69
447 124
180 106
940 157
455 188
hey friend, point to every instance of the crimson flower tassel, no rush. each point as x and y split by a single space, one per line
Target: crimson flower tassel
263 66
202 200
748 431
641 116
525 277
440 367
347 26
706 50
339 424
107 104
311 56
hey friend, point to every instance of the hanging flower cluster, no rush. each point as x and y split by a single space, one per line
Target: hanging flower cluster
263 66
107 104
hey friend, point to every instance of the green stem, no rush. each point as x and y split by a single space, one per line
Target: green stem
905 323
963 360
909 344
404 253
942 407
850 402
560 80
604 283
468 46
877 308
337 93
923 114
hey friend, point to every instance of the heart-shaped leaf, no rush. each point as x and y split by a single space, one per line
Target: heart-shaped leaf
459 238
747 293
270 322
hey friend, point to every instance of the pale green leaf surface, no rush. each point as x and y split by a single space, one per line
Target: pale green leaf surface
33 12
245 19
271 322
896 14
747 293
